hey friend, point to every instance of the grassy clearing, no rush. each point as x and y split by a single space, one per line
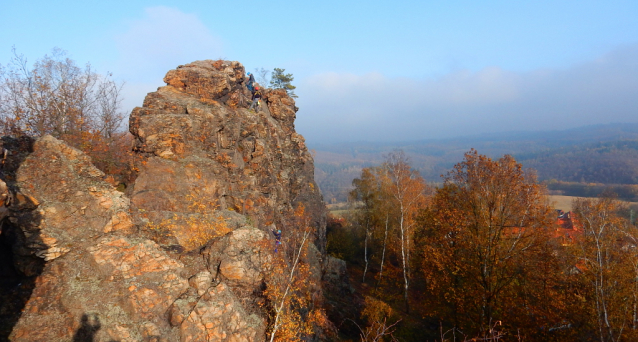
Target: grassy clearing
564 203
339 213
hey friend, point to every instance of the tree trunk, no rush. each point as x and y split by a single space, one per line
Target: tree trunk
365 255
385 238
403 258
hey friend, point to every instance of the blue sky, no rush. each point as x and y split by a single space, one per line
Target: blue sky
368 70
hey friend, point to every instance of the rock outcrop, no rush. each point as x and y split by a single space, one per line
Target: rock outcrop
186 258
199 139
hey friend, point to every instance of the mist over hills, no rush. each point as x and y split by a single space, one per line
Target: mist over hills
595 154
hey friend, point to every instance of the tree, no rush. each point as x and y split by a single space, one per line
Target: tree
483 239
372 211
391 197
407 191
293 315
366 190
279 80
381 321
58 97
261 75
608 267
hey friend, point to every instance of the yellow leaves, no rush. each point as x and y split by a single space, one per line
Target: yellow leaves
195 229
607 265
289 283
300 211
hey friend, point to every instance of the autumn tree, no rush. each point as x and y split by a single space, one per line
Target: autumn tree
484 236
290 285
58 97
73 103
366 192
380 321
373 212
406 189
608 267
391 197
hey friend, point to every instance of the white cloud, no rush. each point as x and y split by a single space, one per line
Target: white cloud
161 40
346 107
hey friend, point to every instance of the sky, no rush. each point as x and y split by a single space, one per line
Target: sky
367 70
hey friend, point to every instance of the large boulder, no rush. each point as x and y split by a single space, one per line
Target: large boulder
240 258
74 203
99 279
199 141
125 285
216 315
187 257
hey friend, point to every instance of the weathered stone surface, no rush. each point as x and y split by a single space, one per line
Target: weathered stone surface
127 285
240 258
186 260
208 80
73 202
198 143
5 196
96 281
217 316
336 276
340 300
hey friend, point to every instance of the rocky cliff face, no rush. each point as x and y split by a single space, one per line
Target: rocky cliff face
198 138
183 255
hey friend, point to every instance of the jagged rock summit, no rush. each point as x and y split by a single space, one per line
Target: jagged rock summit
183 255
198 138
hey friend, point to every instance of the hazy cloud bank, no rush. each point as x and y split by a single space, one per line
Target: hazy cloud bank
346 107
158 41
163 38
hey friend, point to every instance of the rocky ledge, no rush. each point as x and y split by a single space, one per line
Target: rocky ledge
184 254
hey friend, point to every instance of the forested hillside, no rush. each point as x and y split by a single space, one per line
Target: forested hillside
603 154
613 162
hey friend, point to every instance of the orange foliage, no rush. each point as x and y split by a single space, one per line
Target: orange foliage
294 312
486 247
71 103
607 268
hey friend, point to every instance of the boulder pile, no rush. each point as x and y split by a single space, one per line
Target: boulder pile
182 255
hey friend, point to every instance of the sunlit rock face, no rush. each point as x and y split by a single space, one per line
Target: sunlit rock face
182 255
198 138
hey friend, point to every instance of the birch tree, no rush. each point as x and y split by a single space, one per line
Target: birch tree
407 191
391 197
607 260
366 190
290 286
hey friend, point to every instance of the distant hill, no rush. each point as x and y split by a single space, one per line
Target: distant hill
613 162
594 154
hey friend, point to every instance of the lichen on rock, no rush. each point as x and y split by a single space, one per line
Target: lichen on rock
182 256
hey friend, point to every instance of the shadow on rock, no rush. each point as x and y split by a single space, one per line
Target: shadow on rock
19 268
89 325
